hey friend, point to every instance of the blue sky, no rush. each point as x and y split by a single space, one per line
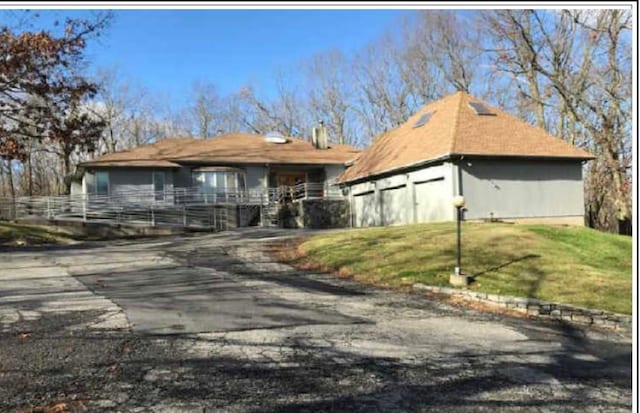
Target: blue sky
168 50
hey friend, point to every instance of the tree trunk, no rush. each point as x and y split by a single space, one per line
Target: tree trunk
3 185
12 190
67 173
30 176
111 144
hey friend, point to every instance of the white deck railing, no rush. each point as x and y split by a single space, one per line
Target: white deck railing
190 206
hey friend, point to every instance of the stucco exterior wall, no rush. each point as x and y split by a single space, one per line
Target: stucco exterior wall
522 188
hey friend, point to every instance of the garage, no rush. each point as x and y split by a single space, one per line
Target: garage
433 201
394 206
365 210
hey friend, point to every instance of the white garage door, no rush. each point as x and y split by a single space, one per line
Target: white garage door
365 209
395 206
433 201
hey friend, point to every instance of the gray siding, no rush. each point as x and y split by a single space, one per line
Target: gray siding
522 188
76 188
506 188
332 172
89 182
127 179
182 177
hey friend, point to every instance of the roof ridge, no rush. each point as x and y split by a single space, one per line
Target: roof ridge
456 123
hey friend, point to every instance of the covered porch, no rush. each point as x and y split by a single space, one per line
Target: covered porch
291 183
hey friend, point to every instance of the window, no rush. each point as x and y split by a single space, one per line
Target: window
481 109
423 120
158 185
219 180
102 183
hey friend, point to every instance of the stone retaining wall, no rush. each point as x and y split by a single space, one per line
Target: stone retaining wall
315 213
325 213
538 308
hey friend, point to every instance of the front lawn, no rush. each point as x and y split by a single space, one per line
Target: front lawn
18 235
572 265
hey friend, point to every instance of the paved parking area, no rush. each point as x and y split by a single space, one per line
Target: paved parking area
210 323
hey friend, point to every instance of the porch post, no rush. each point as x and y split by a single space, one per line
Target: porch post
262 204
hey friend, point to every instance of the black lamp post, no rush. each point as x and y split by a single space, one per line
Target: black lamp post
457 278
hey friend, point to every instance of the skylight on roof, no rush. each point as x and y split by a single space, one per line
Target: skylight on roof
423 119
480 109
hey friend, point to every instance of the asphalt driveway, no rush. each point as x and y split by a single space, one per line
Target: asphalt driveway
210 323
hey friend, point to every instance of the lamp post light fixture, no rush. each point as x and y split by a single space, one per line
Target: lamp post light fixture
457 278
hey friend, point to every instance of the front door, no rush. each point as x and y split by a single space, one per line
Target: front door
290 178
287 182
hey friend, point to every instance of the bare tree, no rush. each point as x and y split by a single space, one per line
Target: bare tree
575 67
514 52
449 45
118 103
383 93
142 127
110 106
205 109
286 112
330 94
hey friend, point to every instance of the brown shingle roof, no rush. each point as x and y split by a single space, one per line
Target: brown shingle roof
455 129
234 148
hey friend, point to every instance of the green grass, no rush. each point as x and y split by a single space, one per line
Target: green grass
572 265
16 235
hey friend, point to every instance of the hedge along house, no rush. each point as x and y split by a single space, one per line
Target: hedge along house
234 169
504 167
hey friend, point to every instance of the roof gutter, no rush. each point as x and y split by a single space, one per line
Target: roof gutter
459 156
396 169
